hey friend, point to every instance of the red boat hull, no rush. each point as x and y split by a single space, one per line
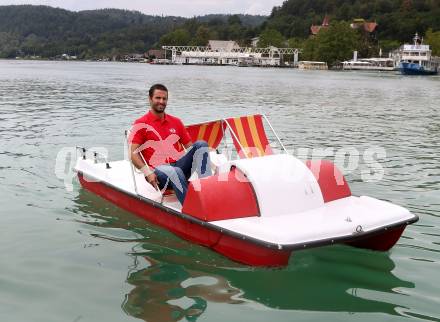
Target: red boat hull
237 249
380 242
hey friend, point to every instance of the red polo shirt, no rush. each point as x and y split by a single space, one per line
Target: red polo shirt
160 139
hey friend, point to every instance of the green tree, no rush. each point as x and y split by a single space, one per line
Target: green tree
295 42
31 44
336 43
271 37
9 45
309 49
433 39
388 46
234 19
202 37
235 32
397 19
178 37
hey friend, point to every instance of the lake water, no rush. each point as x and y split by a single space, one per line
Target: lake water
67 255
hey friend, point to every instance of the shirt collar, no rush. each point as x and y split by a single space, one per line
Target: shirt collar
152 117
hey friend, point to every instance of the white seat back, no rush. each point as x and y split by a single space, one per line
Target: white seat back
283 184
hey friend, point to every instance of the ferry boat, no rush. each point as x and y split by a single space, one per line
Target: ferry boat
369 64
259 205
312 65
417 59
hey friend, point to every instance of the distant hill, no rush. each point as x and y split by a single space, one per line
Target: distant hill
48 31
397 19
45 31
247 20
27 30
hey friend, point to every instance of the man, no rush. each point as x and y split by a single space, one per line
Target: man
157 138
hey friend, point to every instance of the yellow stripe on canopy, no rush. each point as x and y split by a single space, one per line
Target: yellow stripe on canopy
202 131
214 134
255 135
242 137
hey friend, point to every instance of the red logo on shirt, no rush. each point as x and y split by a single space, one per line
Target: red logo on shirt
163 149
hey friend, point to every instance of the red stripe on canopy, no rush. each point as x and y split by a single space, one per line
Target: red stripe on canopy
250 134
211 132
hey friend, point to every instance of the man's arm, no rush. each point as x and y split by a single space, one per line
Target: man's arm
185 138
137 161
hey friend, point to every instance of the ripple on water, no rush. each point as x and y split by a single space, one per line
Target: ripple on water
77 256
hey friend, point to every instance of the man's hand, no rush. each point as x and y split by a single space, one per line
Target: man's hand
152 179
150 176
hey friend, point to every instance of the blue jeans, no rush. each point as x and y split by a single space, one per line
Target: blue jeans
177 174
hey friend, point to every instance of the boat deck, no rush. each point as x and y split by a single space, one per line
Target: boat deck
333 220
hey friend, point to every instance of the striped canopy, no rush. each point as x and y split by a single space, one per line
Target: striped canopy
249 136
247 132
211 132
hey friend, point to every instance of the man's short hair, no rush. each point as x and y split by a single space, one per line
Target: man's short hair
157 86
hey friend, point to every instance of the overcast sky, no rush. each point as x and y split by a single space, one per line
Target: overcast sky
184 8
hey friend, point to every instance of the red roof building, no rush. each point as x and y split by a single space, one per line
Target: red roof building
368 27
325 23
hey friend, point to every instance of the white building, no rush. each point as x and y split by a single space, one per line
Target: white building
223 45
220 52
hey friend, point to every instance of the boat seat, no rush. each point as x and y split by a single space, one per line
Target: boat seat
210 132
282 183
249 136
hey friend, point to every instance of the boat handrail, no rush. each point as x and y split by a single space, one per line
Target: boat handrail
233 133
133 169
224 120
274 132
127 134
96 154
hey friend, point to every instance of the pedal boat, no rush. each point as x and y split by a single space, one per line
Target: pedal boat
259 205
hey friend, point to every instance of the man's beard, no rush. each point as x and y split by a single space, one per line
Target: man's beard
159 108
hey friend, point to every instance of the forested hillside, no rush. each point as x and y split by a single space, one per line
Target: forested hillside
289 25
46 31
49 32
397 22
27 30
397 19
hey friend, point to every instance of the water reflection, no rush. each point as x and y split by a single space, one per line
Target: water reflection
174 280
170 292
46 106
